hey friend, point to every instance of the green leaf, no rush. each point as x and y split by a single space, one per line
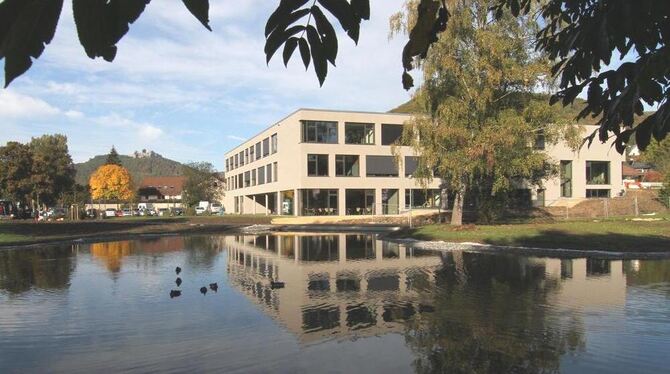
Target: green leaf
277 38
200 9
101 24
289 47
407 81
327 34
643 133
26 26
361 8
289 19
342 10
318 56
304 52
285 8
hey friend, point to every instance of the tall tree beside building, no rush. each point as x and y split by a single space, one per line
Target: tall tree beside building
111 182
52 168
113 158
201 183
481 113
16 162
658 154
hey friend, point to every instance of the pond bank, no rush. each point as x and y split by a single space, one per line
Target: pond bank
609 236
27 233
616 239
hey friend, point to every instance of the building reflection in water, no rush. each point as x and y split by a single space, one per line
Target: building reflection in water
344 285
336 284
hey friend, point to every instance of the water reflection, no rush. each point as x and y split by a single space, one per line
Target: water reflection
373 302
44 269
458 311
337 285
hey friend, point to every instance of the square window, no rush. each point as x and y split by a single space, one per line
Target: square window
359 133
317 165
597 172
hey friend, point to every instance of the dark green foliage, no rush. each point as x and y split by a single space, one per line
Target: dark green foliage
40 171
201 183
432 18
113 158
152 165
27 25
52 169
580 36
101 24
16 161
317 40
200 9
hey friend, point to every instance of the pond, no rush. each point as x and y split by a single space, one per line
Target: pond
346 303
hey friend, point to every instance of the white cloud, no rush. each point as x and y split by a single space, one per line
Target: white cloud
16 105
150 132
179 89
235 137
74 114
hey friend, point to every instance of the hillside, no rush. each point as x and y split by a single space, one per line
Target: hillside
139 166
569 112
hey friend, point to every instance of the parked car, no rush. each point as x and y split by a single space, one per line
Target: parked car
199 210
56 213
110 212
177 212
162 212
91 213
215 208
127 213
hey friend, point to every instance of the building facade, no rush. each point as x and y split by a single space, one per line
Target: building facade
343 163
168 188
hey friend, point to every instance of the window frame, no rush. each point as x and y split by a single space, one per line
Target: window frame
307 126
365 125
266 147
317 159
274 143
588 169
340 160
390 125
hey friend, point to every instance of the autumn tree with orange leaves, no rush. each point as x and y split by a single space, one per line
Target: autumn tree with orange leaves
111 182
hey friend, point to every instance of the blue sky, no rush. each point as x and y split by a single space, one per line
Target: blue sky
189 94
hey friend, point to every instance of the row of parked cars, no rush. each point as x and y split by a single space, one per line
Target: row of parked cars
127 212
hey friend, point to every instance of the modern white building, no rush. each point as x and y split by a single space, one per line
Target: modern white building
335 163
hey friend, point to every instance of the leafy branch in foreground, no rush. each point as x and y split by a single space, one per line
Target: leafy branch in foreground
317 42
27 26
581 36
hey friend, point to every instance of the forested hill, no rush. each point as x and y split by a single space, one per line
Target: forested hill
140 165
568 113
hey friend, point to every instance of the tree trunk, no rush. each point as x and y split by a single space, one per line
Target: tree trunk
457 211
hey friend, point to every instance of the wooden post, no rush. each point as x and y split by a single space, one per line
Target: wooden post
637 208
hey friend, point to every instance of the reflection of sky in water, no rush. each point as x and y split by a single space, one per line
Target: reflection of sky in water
351 304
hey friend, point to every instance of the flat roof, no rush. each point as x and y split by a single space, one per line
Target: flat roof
316 110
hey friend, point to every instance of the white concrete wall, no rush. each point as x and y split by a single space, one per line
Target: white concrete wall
291 159
596 152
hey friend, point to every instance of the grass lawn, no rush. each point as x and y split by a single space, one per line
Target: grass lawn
609 235
13 238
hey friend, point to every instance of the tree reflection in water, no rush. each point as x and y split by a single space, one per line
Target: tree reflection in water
112 253
202 251
492 316
43 268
